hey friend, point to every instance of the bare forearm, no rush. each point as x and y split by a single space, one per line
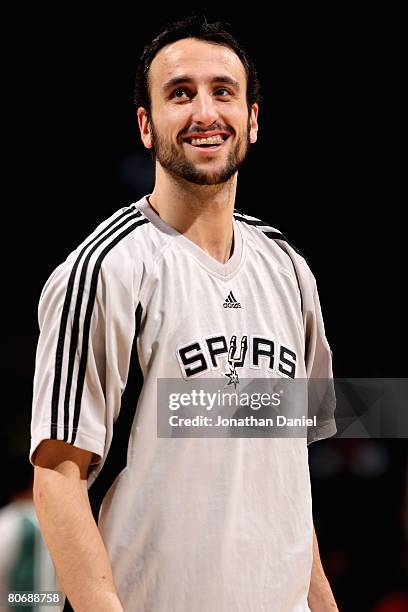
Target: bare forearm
321 598
74 542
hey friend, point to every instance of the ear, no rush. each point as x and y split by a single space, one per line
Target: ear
144 127
253 124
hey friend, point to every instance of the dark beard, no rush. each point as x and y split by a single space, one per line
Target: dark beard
172 160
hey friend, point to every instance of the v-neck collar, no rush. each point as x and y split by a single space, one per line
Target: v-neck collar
222 270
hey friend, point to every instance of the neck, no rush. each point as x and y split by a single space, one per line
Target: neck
203 213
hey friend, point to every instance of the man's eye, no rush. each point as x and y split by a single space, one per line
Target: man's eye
180 93
222 91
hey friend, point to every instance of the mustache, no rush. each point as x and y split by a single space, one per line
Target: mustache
197 128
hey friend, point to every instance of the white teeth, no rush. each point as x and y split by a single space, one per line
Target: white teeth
210 140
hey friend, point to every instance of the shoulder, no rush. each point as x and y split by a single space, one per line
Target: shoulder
117 251
265 236
115 242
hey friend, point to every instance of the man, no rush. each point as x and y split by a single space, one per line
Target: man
183 523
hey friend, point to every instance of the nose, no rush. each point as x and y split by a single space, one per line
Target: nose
204 111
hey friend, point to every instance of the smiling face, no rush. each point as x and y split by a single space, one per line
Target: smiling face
200 126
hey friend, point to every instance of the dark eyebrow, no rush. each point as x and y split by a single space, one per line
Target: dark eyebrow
183 79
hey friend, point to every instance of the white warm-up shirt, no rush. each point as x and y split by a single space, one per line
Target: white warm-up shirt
190 524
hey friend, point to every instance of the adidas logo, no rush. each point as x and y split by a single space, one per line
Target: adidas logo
231 302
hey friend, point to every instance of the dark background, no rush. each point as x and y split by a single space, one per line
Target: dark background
327 171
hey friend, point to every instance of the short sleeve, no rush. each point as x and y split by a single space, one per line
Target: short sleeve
87 327
318 357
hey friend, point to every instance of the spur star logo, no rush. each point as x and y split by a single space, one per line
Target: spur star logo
235 361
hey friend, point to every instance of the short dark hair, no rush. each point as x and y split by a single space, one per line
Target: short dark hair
192 27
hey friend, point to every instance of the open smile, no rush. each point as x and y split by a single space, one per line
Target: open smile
208 143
